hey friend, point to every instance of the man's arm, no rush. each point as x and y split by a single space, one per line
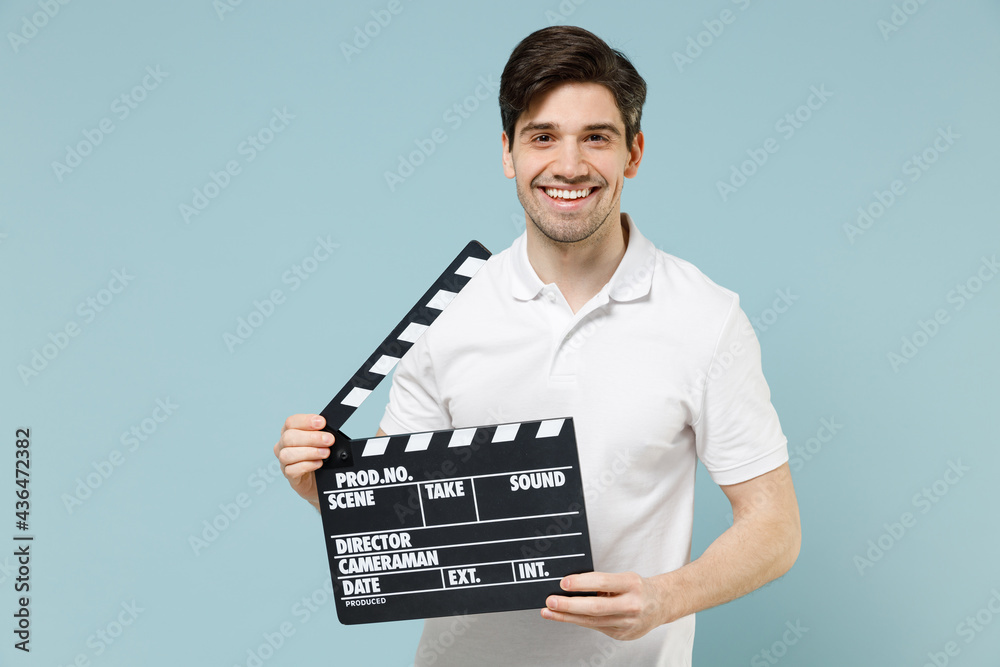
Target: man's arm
760 546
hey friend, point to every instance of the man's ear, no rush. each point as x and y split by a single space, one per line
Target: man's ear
508 160
635 156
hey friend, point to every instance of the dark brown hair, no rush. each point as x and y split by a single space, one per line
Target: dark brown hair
557 54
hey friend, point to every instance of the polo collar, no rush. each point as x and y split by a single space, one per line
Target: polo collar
630 281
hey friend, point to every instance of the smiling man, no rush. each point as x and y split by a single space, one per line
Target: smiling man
658 365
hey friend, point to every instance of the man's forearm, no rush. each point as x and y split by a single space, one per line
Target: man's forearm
756 549
739 561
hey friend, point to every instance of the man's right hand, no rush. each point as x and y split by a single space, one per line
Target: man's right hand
301 450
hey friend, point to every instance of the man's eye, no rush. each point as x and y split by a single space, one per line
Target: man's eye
543 138
597 137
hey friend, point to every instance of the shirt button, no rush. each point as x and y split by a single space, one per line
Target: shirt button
551 297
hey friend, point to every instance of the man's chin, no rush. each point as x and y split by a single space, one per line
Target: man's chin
562 234
568 229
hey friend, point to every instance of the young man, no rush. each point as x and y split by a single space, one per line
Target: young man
658 365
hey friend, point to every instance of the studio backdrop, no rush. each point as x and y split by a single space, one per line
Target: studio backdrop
212 211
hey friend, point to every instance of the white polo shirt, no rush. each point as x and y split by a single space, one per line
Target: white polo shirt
659 369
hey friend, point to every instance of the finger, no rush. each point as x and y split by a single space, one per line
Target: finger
301 469
587 621
299 438
600 581
304 422
292 455
586 606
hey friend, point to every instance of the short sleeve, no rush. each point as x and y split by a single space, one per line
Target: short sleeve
737 434
414 402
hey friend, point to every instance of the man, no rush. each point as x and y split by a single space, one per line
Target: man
658 365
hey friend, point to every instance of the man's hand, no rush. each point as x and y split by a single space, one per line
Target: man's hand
760 546
301 450
626 606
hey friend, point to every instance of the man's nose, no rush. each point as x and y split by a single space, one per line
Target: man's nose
569 161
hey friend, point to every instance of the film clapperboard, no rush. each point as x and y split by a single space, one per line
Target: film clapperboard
443 523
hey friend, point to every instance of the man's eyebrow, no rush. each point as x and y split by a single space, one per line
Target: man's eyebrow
603 127
534 127
594 127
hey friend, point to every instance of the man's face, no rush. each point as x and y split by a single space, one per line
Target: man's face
570 161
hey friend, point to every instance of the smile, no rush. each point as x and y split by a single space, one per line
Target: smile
559 193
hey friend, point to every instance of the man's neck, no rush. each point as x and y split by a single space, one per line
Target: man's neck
579 269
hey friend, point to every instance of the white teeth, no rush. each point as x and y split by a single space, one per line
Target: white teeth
566 194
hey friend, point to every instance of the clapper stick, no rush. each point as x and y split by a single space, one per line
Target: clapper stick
403 336
466 520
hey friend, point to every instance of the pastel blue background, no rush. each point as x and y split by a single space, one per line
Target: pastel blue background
323 176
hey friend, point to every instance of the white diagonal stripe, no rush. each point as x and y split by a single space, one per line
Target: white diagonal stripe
413 332
356 397
441 300
470 266
549 428
384 364
462 437
375 447
506 432
418 442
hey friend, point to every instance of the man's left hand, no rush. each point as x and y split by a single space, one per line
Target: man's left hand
626 606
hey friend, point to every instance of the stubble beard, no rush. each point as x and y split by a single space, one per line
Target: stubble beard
564 231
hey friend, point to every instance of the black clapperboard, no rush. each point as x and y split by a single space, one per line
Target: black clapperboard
443 523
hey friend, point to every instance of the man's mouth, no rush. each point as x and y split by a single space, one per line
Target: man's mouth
567 194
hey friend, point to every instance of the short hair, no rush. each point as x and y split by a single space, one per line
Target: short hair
558 54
